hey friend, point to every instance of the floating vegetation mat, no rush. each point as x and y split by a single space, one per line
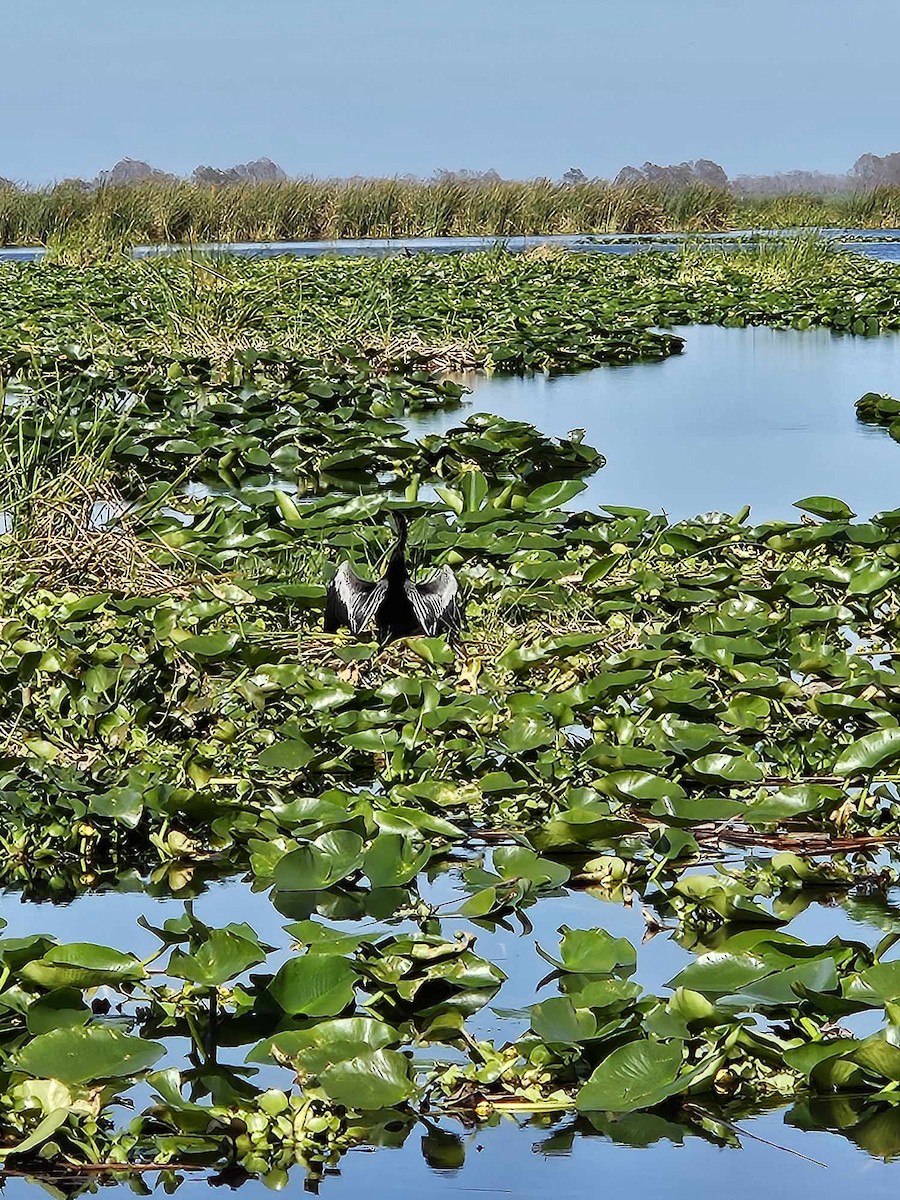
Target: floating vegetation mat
692 721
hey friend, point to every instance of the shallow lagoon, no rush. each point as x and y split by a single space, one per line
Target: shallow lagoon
753 416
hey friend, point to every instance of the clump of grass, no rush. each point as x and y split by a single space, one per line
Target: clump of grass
772 262
78 538
65 524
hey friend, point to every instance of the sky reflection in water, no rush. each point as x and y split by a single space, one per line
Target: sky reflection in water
744 416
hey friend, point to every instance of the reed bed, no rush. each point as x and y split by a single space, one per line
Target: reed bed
68 217
76 223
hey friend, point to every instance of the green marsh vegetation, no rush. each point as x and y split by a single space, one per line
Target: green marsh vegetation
699 718
77 224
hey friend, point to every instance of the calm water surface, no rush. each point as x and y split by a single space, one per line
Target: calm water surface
882 243
744 416
647 1156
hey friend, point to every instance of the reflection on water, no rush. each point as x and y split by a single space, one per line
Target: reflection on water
649 1156
745 416
661 1154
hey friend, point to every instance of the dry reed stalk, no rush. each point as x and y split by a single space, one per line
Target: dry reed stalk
63 544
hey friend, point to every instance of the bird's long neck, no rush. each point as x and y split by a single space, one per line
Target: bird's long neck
396 568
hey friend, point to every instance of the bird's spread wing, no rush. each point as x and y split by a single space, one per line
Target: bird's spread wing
351 601
436 602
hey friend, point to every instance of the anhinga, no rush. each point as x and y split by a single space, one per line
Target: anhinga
395 605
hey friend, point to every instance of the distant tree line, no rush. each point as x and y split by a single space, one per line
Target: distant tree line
870 171
132 170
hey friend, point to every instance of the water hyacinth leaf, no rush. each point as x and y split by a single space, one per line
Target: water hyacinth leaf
326 1042
85 1054
432 650
57 1010
451 498
747 712
558 1020
826 506
123 804
209 645
314 985
392 860
525 733
793 802
640 785
222 956
480 904
869 579
720 972
321 863
323 939
410 821
290 755
42 1133
639 1075
83 965
733 768
878 1056
474 489
879 984
518 862
373 1080
868 752
590 952
554 495
828 1066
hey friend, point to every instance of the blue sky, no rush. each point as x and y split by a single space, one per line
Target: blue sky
529 87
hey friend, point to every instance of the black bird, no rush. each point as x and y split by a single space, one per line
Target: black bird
395 605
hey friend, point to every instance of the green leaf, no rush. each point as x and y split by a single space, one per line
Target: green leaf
83 965
558 1020
525 733
392 860
60 1009
224 955
869 578
733 768
826 506
793 802
209 645
639 1075
314 985
290 755
554 495
518 862
326 1042
881 983
42 1132
321 863
720 972
591 952
869 752
640 785
82 1055
376 1079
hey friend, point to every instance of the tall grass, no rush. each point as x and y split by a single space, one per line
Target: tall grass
74 222
310 209
771 262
